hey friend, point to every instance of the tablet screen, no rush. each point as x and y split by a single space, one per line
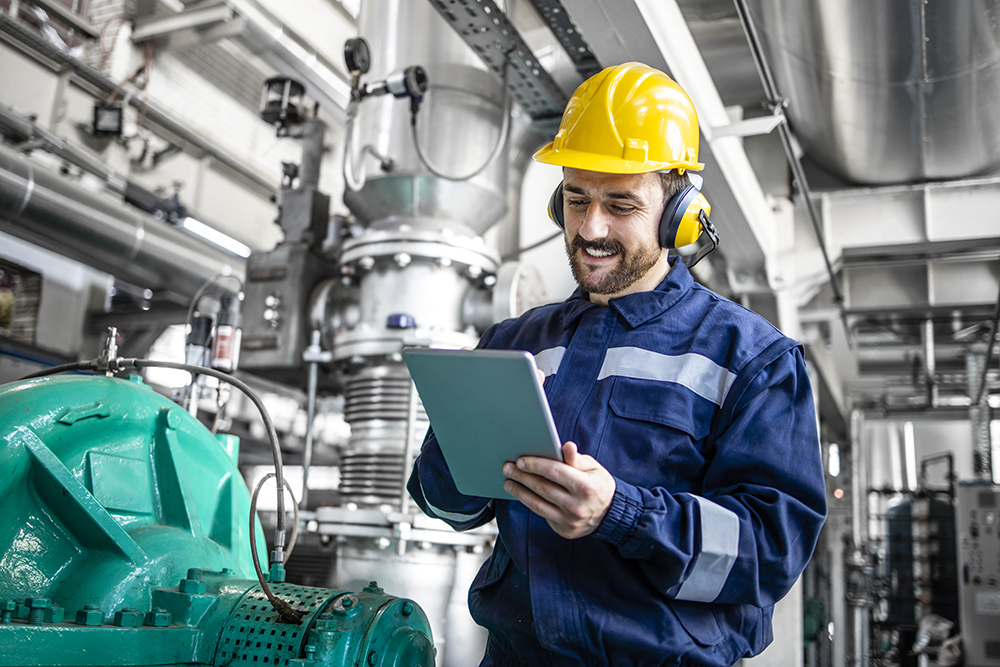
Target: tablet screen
486 407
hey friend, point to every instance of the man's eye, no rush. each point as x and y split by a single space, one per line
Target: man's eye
577 202
621 210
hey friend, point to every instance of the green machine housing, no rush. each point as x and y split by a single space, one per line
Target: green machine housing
124 540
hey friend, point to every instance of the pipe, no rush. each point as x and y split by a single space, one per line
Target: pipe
889 92
55 213
173 130
24 128
930 365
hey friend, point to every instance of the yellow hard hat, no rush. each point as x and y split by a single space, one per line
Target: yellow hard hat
627 119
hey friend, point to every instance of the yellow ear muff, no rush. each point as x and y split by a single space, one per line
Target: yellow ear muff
689 228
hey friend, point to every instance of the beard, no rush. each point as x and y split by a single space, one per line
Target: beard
631 266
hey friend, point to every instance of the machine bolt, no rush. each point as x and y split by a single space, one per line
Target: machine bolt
348 602
407 608
228 572
128 617
310 652
367 263
193 583
372 658
7 607
37 606
157 617
373 587
91 614
403 259
475 271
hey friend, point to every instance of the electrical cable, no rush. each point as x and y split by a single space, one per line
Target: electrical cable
536 244
990 340
287 613
501 140
201 292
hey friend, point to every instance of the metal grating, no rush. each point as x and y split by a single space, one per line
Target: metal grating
491 35
254 633
562 26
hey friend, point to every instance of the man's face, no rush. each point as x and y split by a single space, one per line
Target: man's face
611 231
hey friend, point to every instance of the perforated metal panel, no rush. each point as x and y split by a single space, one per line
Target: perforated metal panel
255 635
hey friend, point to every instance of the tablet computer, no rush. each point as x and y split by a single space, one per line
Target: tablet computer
486 407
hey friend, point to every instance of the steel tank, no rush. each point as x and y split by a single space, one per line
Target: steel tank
889 92
418 273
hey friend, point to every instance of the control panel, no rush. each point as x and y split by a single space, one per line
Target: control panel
977 514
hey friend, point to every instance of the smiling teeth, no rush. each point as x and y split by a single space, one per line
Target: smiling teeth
598 253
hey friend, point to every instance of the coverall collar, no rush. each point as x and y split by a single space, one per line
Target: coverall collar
639 307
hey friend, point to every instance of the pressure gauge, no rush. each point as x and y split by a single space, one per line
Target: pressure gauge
358 55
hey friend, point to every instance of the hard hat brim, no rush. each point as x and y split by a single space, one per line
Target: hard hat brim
548 154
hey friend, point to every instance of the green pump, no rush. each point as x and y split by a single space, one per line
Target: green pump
124 540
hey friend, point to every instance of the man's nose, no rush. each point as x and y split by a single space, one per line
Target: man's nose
595 223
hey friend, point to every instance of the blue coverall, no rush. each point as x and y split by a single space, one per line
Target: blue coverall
703 414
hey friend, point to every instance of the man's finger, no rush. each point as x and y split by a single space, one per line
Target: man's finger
548 486
533 501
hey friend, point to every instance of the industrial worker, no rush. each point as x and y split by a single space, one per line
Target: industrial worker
691 491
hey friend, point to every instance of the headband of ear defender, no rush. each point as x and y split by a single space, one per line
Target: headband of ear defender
680 223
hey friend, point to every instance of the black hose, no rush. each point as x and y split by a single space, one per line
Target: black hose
62 368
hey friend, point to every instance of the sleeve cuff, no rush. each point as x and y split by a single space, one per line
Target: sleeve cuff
623 515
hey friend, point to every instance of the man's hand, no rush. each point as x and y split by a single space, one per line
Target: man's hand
572 496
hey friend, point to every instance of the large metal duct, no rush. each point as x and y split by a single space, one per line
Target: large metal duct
53 212
419 274
889 92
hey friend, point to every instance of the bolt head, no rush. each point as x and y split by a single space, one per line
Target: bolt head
91 614
158 617
407 608
38 603
372 658
128 617
192 586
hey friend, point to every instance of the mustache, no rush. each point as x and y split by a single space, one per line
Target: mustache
603 245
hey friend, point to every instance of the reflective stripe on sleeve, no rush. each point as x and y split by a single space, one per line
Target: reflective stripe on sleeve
699 374
548 360
720 543
458 517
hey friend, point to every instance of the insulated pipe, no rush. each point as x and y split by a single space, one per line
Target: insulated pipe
55 213
173 131
24 129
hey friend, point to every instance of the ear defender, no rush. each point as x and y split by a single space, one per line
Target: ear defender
556 207
684 219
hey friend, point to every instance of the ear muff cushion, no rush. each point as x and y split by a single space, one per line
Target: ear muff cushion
673 223
556 207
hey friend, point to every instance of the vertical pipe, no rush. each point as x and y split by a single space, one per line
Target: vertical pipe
411 427
310 421
859 481
313 133
979 416
930 366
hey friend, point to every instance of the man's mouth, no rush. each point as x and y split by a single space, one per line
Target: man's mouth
594 252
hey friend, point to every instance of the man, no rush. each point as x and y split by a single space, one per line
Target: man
691 493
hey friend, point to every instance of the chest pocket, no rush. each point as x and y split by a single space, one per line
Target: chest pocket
655 433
